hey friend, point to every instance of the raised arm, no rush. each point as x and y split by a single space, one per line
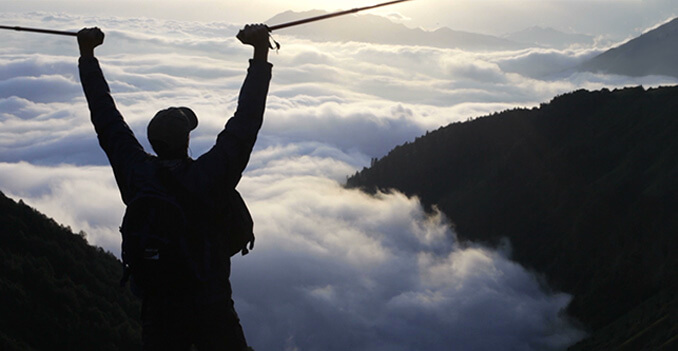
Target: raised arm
223 165
115 137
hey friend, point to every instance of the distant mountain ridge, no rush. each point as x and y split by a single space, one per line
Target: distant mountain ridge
653 53
585 188
376 29
550 38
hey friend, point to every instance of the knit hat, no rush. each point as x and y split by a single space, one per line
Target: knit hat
171 127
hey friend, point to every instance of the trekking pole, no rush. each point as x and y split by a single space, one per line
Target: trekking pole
37 30
270 28
330 15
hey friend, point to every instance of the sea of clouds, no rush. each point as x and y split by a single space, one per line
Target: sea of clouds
333 268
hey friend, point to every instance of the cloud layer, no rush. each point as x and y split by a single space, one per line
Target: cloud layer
351 271
333 267
337 269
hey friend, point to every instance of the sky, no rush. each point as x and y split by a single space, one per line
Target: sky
333 268
617 19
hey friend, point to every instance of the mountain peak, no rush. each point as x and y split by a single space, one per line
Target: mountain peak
670 26
653 53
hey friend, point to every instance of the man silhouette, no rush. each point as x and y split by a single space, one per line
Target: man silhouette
193 306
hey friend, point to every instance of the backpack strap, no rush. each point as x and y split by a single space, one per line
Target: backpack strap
126 273
236 220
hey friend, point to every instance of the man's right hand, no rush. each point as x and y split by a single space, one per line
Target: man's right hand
257 36
88 39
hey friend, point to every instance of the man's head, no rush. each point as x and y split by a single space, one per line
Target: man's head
168 131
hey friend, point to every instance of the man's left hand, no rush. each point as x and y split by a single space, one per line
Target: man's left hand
88 39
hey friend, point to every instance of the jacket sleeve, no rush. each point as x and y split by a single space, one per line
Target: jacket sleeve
115 136
222 166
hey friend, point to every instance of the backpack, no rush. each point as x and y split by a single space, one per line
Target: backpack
161 242
153 251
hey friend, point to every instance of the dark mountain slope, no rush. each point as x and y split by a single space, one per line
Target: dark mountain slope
653 53
56 291
585 187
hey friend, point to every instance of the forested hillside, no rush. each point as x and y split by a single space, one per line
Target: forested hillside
56 291
586 189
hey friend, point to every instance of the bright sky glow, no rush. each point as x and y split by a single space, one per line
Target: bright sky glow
614 18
